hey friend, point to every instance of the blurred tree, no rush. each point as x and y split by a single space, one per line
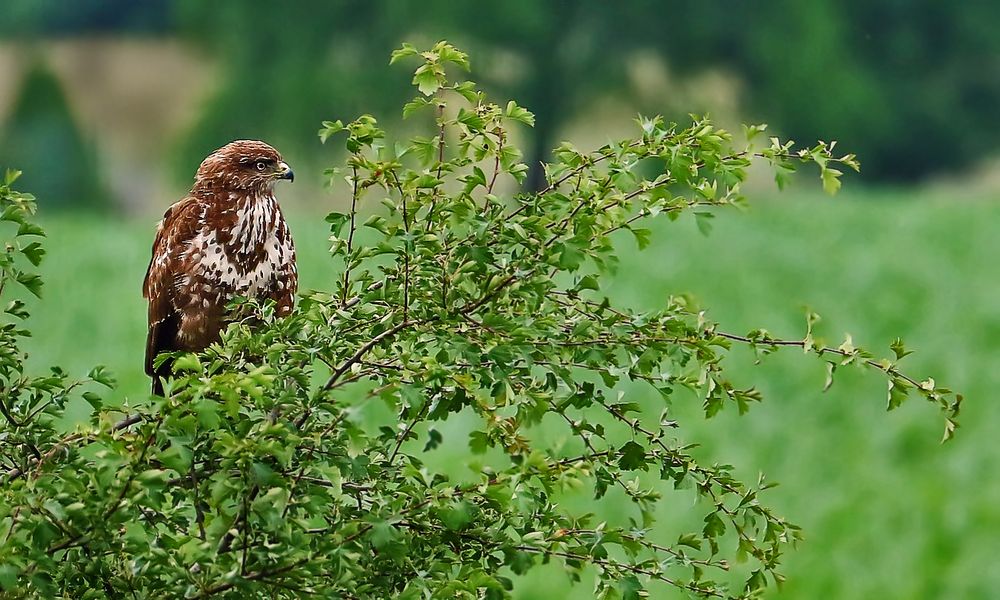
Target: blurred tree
896 80
41 138
912 85
286 69
570 51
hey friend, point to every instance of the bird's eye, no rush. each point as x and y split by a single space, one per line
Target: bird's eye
261 165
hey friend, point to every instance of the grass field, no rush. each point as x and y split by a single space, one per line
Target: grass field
887 511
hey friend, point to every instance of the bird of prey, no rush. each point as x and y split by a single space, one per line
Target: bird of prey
226 238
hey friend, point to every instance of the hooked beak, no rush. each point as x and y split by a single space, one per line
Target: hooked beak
285 172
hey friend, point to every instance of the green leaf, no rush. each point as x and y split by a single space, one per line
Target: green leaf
519 561
154 479
264 476
27 228
690 540
95 401
101 375
949 429
34 252
337 221
588 282
631 588
714 526
831 180
405 51
478 442
177 457
899 349
756 581
329 128
471 119
427 80
457 516
383 534
448 53
425 148
783 172
632 456
752 131
188 362
641 236
17 309
468 91
898 392
831 367
434 439
427 181
378 223
571 257
519 114
32 282
8 577
414 105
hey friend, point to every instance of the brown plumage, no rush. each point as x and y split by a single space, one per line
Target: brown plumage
227 237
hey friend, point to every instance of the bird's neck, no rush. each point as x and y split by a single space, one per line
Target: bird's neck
255 218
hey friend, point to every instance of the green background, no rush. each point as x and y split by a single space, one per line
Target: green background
888 511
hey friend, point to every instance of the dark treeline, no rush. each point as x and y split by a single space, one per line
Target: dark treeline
911 86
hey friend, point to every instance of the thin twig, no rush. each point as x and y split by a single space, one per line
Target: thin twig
350 236
891 370
409 427
199 514
17 472
362 351
440 137
406 243
610 564
256 575
6 413
496 164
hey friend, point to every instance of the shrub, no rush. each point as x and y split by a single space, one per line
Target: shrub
477 319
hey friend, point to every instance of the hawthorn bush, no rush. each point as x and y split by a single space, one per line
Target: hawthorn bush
479 320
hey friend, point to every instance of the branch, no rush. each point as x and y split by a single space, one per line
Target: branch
406 246
496 164
409 427
6 413
256 575
364 350
615 565
84 538
350 235
17 472
820 350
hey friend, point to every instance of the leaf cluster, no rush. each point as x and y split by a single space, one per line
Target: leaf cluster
479 320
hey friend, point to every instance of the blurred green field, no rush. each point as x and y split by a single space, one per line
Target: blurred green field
887 511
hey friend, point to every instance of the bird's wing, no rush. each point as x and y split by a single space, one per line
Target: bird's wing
179 225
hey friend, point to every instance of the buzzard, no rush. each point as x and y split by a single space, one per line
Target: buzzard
226 238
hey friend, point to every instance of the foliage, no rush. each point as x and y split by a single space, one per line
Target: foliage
254 477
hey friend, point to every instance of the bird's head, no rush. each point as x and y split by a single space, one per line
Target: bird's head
243 165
